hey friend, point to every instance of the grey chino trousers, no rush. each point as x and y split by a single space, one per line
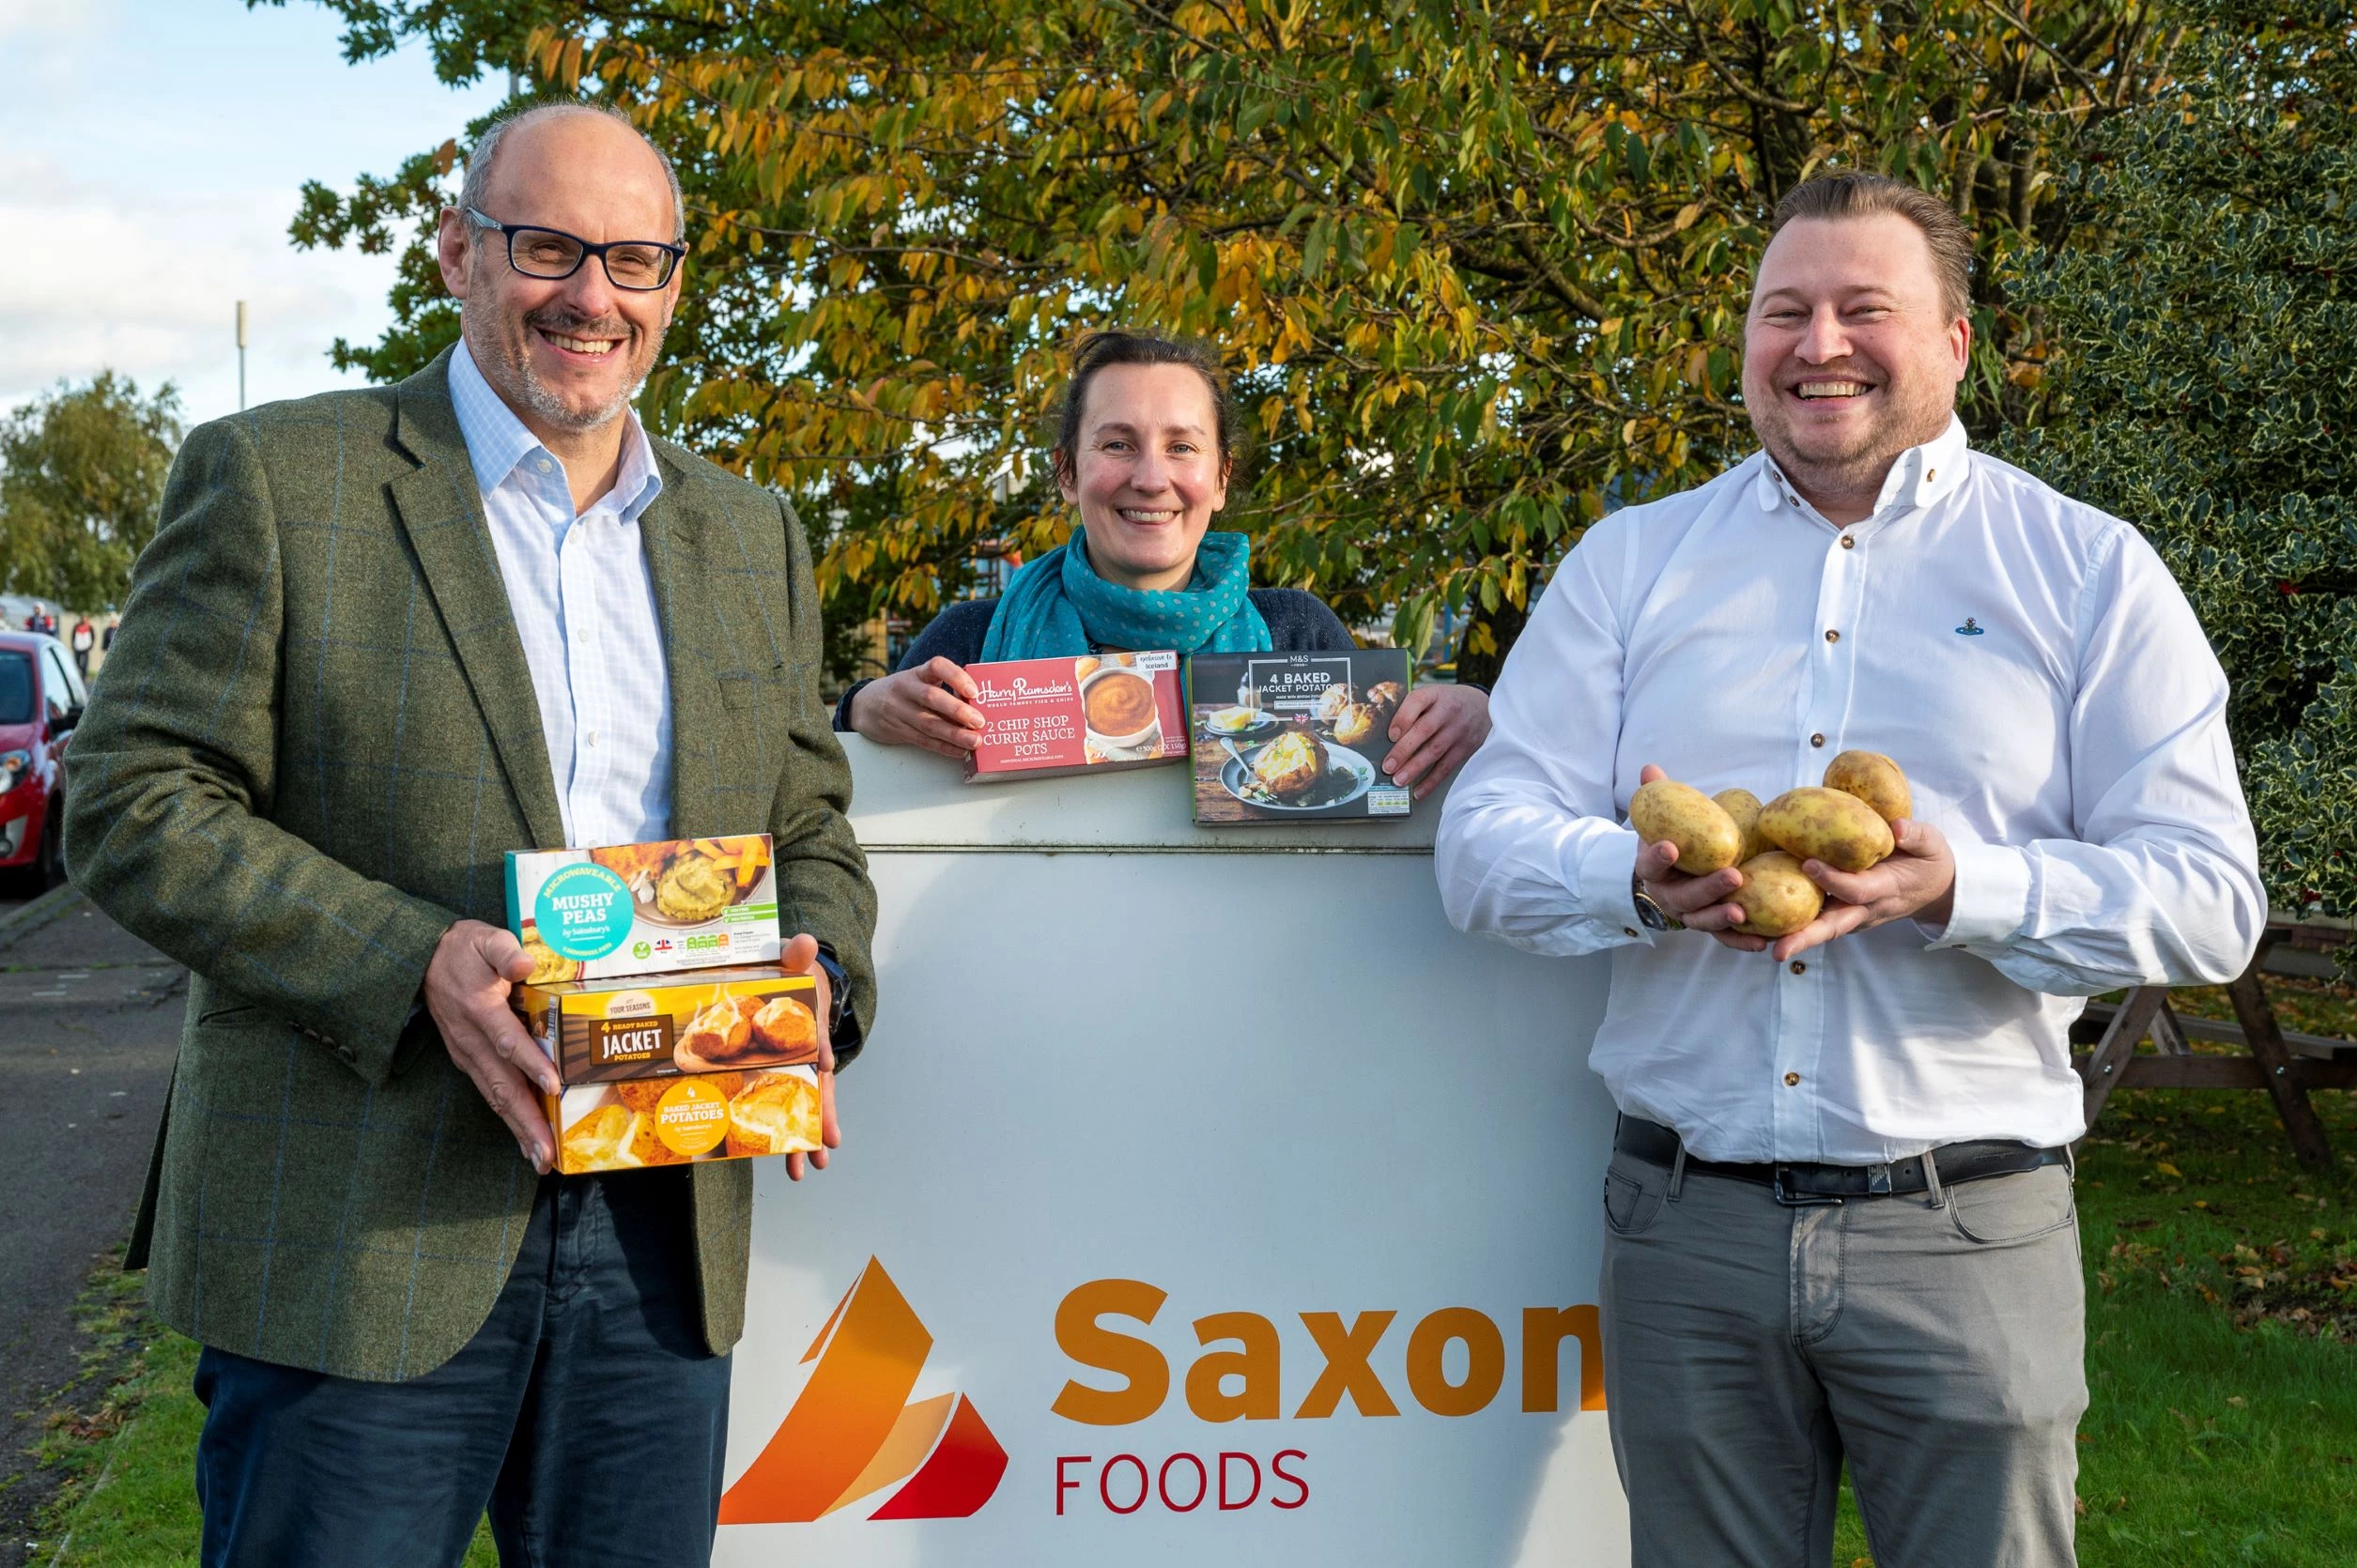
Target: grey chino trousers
1937 1345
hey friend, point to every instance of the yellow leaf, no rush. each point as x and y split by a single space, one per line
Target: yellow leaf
2169 1170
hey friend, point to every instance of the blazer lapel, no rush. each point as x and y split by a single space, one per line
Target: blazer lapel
441 511
672 530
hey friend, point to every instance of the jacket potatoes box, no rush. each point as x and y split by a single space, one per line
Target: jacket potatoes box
1294 736
665 1071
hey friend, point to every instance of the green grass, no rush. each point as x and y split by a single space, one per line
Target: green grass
134 1505
2222 1324
2222 1348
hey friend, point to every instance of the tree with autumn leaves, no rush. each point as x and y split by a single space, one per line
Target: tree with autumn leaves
2200 302
1479 273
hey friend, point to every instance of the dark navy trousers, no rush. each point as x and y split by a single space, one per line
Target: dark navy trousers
585 1415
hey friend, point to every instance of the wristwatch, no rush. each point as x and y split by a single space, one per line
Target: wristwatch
1649 915
838 991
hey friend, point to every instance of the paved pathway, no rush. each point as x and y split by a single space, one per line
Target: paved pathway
89 1019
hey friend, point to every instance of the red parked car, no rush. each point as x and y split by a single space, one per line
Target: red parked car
41 699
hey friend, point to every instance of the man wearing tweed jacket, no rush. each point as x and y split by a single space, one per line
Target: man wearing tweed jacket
381 638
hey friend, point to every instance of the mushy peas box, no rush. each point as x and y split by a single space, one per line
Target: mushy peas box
669 1071
1052 716
644 909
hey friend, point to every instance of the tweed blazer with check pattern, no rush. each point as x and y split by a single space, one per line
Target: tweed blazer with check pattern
312 744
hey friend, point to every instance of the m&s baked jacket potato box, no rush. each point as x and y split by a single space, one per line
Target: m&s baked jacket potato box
1052 716
669 1071
1291 737
644 909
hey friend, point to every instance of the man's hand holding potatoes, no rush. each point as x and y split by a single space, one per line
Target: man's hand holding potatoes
1863 860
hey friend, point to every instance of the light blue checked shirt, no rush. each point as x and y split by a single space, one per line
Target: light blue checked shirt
585 608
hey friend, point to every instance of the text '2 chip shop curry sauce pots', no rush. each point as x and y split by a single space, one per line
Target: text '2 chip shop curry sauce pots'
1096 713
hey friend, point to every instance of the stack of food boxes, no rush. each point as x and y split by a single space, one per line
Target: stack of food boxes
655 990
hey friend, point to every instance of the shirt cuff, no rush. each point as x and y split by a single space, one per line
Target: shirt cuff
1991 900
1607 886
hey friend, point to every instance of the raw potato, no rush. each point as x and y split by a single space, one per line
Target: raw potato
1874 778
1743 806
1708 837
1778 899
1827 825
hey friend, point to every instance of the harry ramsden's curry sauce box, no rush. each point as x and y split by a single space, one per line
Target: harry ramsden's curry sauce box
644 909
1052 716
667 1072
1293 737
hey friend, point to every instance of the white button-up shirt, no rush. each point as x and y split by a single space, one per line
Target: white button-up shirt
584 605
2025 659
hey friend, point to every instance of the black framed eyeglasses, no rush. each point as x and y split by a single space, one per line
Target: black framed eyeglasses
638 265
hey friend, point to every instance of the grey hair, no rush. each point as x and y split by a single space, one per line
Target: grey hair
476 187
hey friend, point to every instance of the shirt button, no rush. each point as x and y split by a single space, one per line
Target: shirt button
1792 1080
1848 542
543 464
1816 740
1799 968
1930 474
1832 635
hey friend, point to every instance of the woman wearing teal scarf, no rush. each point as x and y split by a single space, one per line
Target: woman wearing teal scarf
1143 454
1059 604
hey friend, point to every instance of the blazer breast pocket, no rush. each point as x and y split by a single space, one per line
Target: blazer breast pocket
745 691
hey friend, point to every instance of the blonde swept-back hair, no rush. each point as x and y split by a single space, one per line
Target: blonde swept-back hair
1863 195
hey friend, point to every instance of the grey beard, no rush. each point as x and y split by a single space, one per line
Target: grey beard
516 371
548 405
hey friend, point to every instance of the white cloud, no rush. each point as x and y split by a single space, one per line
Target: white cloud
47 20
146 282
151 155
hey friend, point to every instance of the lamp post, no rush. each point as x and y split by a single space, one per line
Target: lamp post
242 356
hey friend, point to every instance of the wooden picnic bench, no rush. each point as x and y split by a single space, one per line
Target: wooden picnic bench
2286 1065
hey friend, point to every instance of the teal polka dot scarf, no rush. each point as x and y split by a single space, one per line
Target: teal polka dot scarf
1056 604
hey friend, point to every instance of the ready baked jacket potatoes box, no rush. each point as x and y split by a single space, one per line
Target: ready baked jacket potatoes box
1052 716
644 909
667 1072
1293 737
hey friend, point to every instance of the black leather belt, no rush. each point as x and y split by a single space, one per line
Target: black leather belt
1657 1144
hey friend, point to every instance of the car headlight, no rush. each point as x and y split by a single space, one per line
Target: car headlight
14 766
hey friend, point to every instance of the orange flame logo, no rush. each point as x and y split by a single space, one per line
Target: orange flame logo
852 1432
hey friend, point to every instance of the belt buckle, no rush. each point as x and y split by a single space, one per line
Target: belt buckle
1791 1199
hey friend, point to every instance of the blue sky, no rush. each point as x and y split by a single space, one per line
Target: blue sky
150 155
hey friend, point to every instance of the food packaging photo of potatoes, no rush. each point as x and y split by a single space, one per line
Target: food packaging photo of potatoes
662 1072
1286 737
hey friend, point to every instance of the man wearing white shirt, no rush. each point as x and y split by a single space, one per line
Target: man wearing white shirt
1838 1215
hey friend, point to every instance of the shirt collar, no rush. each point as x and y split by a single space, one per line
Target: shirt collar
1920 476
497 442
